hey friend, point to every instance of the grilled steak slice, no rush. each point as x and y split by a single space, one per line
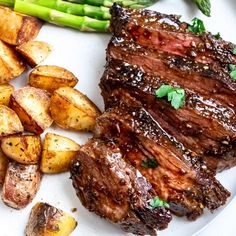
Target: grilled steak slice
113 189
180 178
160 31
205 125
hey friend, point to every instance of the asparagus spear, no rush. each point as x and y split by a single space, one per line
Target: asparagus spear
109 3
8 3
97 12
82 23
204 6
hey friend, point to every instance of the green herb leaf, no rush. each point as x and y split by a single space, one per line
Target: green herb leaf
234 51
197 26
150 163
157 202
217 36
174 95
232 71
204 6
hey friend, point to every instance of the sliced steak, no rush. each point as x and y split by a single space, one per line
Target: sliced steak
113 189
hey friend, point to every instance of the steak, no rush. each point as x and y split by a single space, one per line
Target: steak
144 148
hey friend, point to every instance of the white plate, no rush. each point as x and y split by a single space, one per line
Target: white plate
84 54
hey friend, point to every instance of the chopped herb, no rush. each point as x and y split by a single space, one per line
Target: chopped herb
232 70
197 26
149 163
217 36
234 51
204 6
174 95
157 202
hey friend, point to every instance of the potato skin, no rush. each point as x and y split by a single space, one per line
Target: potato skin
3 167
20 185
32 106
16 28
58 152
34 52
70 109
51 78
46 220
9 122
25 149
5 93
11 64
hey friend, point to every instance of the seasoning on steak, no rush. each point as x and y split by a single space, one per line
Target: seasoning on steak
187 145
113 189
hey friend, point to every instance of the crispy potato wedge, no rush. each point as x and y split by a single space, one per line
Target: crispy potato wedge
16 28
20 185
9 122
51 78
34 52
5 92
3 166
71 109
32 106
58 152
11 65
25 149
46 220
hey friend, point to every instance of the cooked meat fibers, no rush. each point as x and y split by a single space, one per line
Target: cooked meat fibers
113 189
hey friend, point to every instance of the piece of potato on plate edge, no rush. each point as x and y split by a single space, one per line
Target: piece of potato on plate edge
46 220
58 152
25 149
5 93
70 109
32 106
50 77
3 167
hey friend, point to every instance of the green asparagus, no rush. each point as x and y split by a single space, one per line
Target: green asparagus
204 6
109 3
9 3
97 12
82 23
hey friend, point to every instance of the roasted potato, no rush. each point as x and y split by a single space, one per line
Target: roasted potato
5 92
11 65
58 152
34 52
9 122
46 220
16 28
51 78
32 106
25 149
70 109
3 167
20 185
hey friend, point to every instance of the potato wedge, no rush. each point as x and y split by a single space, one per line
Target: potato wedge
3 167
11 65
46 220
51 78
25 149
20 185
16 28
58 152
32 106
34 52
9 122
5 92
71 109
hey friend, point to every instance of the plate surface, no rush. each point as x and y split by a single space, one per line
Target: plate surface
84 55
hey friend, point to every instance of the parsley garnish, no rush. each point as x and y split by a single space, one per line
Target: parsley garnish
217 36
149 163
157 202
174 95
234 51
197 26
232 70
